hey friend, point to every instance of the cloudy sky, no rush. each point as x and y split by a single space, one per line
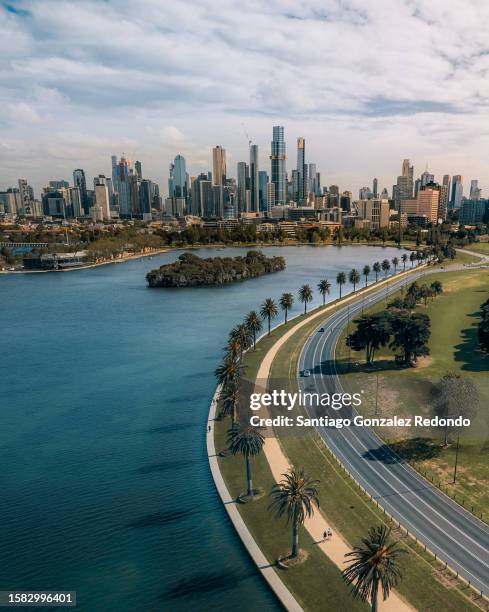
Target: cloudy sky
366 82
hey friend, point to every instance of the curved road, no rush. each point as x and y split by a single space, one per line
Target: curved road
455 535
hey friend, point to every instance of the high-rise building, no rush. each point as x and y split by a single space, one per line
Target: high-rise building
79 181
270 195
429 201
301 170
475 192
404 187
262 191
473 211
311 180
375 188
178 179
102 197
443 204
254 187
457 191
278 158
447 182
139 169
146 196
376 211
219 165
426 178
120 180
26 197
243 185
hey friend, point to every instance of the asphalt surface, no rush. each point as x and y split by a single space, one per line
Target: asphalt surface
455 535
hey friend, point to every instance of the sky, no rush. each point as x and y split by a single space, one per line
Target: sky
367 83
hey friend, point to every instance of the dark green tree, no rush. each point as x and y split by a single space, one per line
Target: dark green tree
248 441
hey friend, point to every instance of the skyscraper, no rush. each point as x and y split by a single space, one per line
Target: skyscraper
278 158
178 179
79 181
457 191
254 188
102 197
404 187
475 192
375 188
120 180
311 180
139 169
219 165
243 183
263 191
301 170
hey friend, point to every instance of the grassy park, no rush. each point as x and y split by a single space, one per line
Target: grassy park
317 582
391 390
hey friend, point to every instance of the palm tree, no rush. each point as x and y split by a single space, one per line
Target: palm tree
230 401
354 278
324 286
366 272
240 333
248 441
233 349
269 311
386 266
286 302
341 280
404 259
375 563
395 263
253 324
228 372
412 257
305 296
294 497
377 268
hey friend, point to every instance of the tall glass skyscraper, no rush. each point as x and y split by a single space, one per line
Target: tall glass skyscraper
254 204
178 181
301 165
278 158
263 191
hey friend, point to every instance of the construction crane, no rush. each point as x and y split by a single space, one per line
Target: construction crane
247 135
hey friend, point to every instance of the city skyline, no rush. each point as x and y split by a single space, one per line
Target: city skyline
68 105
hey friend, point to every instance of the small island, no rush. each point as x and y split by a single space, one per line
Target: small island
193 271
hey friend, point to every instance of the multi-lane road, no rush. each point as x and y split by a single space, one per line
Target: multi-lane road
455 535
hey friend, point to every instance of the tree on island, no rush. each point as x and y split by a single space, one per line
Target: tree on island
324 287
366 272
286 302
246 440
305 296
253 324
341 280
269 311
375 563
372 332
354 278
377 269
294 497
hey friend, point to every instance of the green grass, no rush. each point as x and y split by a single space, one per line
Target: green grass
466 258
453 348
479 247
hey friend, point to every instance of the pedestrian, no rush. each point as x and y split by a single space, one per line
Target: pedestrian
209 428
325 535
330 533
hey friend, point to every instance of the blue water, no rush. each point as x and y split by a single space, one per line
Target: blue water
105 390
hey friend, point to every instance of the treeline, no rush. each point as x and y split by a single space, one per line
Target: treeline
191 271
399 327
483 327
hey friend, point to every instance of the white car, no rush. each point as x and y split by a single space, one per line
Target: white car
306 373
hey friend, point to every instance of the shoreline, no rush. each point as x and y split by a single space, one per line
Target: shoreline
161 250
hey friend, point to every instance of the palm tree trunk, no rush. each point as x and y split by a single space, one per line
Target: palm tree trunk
375 590
366 281
269 320
286 316
254 340
248 476
324 299
295 540
305 307
340 291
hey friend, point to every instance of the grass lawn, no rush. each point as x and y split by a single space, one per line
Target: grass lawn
479 247
467 257
453 348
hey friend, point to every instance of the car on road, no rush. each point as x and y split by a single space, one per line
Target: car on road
306 373
321 329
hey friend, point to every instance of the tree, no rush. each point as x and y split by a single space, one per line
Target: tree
410 333
305 296
386 266
253 324
324 286
372 332
248 441
269 311
395 263
294 497
455 396
436 287
230 401
366 272
377 268
241 334
483 327
286 303
412 258
354 278
374 564
341 280
404 260
229 372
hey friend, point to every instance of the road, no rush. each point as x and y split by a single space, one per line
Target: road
455 535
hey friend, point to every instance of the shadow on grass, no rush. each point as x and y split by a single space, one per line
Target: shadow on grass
343 366
468 350
414 449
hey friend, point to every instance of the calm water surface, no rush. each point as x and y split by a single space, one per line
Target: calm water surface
105 390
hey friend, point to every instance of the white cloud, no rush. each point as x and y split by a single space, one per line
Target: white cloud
366 83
